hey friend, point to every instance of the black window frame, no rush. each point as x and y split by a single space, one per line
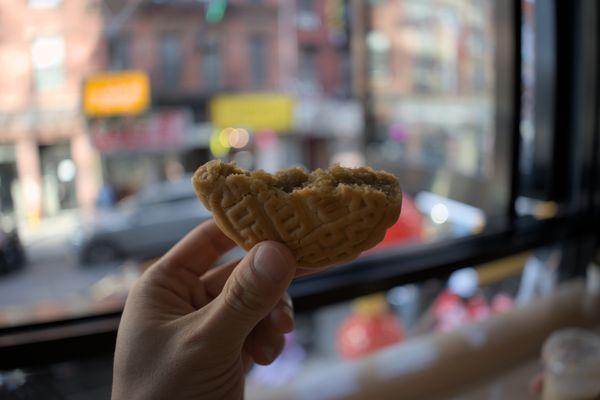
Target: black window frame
575 127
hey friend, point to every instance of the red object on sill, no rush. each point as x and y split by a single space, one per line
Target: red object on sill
369 328
408 227
451 311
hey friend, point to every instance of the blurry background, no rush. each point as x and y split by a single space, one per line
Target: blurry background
108 106
485 110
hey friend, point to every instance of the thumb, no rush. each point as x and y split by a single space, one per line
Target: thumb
253 290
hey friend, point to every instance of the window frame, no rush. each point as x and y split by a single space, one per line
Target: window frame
49 342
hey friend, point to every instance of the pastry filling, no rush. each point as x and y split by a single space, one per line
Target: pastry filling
292 179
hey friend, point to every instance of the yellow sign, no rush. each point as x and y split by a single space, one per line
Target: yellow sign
253 111
118 93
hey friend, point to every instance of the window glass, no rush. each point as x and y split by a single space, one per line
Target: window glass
258 62
119 52
103 112
211 64
308 66
170 58
47 59
44 3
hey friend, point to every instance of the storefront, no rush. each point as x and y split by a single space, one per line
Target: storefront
47 166
162 145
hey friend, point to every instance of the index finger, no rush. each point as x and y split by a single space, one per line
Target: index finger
199 249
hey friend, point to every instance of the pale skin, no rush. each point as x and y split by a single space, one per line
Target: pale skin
191 331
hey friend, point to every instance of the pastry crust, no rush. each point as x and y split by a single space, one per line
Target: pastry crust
325 217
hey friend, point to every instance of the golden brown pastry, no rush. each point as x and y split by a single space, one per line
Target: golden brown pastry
325 217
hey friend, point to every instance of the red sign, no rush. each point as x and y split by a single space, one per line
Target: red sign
161 130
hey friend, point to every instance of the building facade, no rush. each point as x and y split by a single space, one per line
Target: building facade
53 157
47 47
431 76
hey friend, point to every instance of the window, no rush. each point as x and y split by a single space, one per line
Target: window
307 18
119 52
426 73
378 44
345 68
44 3
413 93
170 57
422 89
211 65
258 60
306 6
308 67
48 58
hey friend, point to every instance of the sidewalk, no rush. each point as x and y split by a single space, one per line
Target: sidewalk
58 227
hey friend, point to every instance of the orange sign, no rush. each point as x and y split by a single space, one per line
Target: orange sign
116 93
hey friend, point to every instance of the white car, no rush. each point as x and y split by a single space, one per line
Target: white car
141 227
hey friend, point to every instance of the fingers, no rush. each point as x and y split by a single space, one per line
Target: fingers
214 280
199 249
253 289
281 318
264 343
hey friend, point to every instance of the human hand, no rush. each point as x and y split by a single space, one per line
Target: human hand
192 332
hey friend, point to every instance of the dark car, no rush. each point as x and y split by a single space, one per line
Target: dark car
143 227
12 254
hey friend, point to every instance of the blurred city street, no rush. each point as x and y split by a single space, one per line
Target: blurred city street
52 271
111 106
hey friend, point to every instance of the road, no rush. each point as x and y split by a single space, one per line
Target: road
52 273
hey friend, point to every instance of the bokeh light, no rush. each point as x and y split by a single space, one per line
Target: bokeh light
218 146
439 213
238 138
224 136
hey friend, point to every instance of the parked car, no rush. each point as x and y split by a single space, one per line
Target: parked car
12 254
141 227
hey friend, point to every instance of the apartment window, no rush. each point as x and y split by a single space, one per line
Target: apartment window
307 18
306 6
211 65
48 61
426 74
478 78
345 73
308 66
44 3
170 53
119 52
258 60
379 46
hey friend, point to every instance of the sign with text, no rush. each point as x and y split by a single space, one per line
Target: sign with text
116 94
253 111
158 131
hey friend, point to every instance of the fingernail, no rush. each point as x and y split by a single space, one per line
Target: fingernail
270 263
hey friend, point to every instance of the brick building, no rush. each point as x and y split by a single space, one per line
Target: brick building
323 37
46 48
271 45
189 58
191 51
431 76
300 48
